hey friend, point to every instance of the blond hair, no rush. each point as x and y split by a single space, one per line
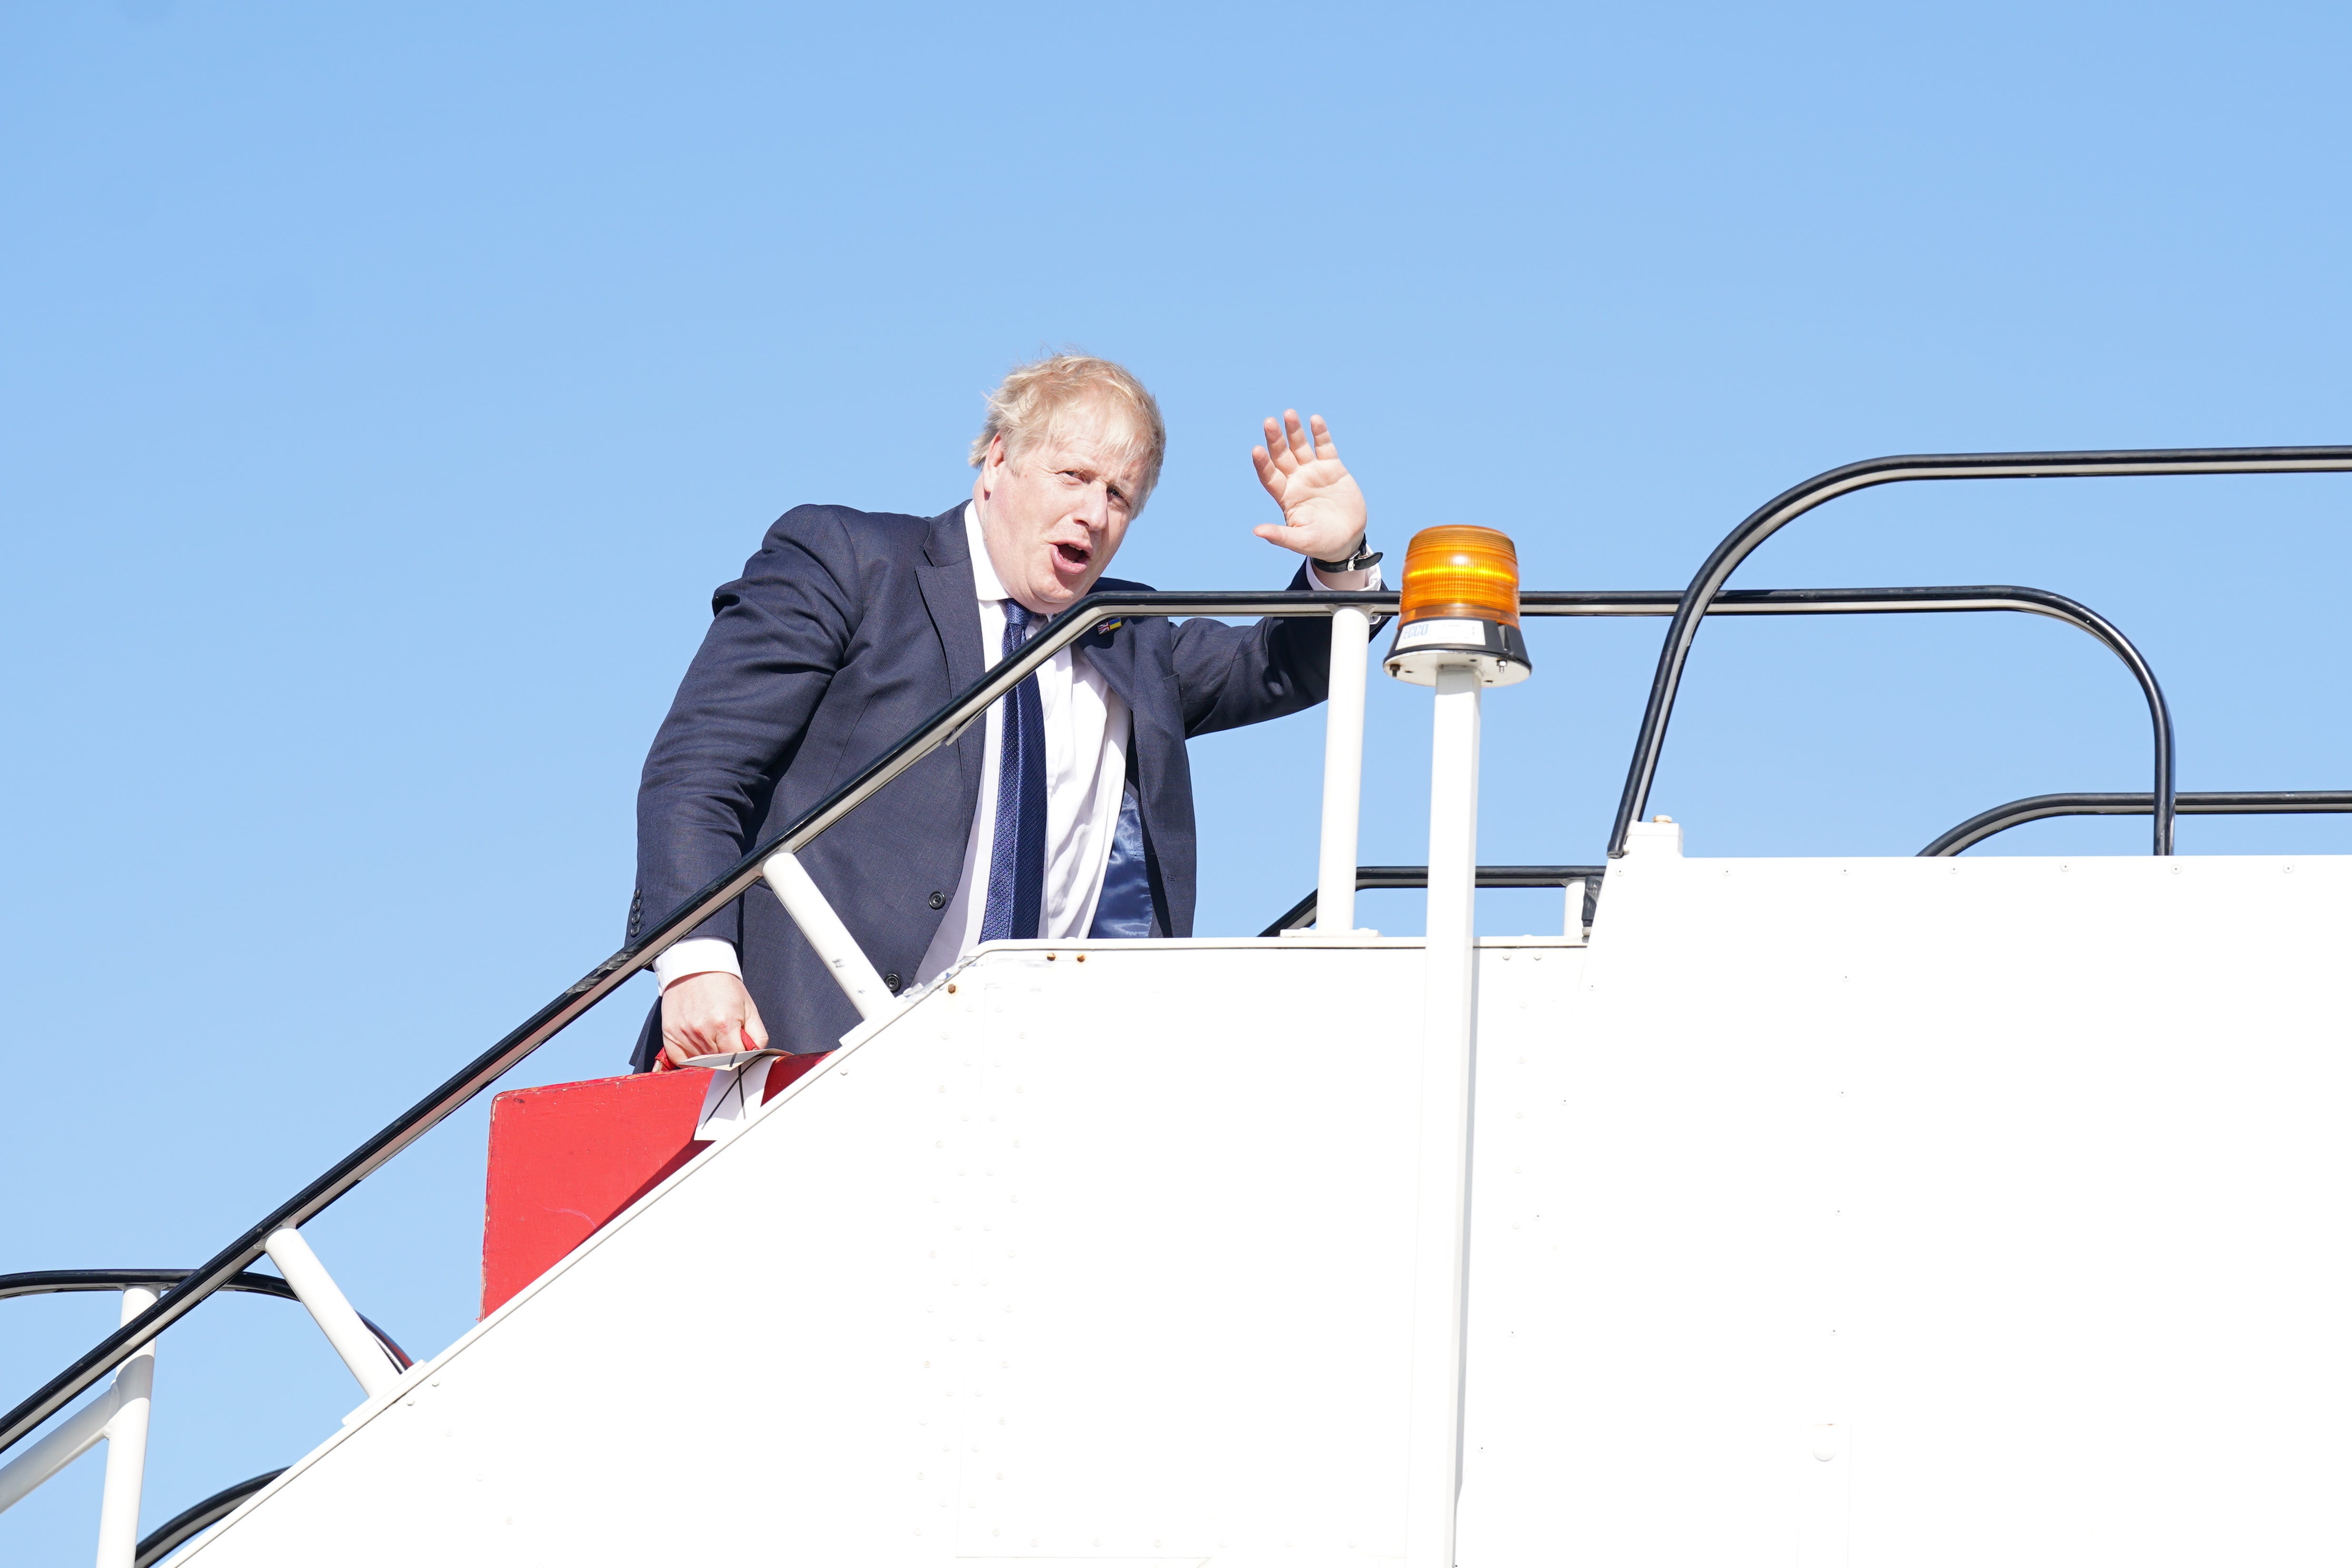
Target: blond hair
1043 399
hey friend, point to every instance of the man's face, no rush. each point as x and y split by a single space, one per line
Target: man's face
1054 519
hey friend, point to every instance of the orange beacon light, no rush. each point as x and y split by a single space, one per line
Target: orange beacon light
1461 605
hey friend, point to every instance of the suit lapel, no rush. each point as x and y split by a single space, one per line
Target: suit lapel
945 574
1114 657
1133 660
1121 654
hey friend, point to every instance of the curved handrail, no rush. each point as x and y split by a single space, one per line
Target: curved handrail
1795 502
61 1281
2190 802
1891 600
184 1526
944 725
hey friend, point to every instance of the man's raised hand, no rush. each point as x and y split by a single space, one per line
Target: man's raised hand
1322 510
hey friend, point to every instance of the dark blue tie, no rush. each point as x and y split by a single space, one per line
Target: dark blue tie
1016 861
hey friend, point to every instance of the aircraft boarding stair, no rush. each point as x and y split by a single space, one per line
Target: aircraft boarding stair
1975 1209
1815 1211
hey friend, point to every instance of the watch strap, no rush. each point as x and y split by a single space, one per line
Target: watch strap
1357 560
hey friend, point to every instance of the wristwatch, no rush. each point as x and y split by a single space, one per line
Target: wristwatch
1358 558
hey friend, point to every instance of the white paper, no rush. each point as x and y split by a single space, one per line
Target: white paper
737 1084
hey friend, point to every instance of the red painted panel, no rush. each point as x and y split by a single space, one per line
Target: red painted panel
567 1157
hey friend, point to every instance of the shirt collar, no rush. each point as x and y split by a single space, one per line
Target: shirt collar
985 584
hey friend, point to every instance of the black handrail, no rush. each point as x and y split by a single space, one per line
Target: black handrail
608 976
184 1526
933 732
61 1281
2190 802
1375 878
1794 502
1886 601
1783 602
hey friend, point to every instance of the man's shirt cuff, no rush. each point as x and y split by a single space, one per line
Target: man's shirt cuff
1315 580
695 955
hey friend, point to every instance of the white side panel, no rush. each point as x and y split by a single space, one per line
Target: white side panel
2014 1186
1910 1212
1105 1260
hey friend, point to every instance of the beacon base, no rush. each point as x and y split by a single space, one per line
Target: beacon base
1499 651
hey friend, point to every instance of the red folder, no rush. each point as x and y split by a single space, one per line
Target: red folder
567 1157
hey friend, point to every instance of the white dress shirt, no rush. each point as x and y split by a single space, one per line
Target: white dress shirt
1086 730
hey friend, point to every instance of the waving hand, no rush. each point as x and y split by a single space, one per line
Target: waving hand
1322 510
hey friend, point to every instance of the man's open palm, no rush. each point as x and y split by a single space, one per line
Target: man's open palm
1322 510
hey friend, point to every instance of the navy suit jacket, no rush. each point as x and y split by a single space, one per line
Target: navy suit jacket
846 630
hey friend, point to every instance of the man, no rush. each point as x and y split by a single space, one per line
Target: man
1069 814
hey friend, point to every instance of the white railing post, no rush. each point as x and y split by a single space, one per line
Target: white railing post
1441 1255
75 1437
1343 772
126 1446
316 1289
813 912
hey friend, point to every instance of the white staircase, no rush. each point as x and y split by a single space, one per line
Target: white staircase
1916 1211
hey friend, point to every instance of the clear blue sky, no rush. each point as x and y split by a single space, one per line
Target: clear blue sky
383 389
